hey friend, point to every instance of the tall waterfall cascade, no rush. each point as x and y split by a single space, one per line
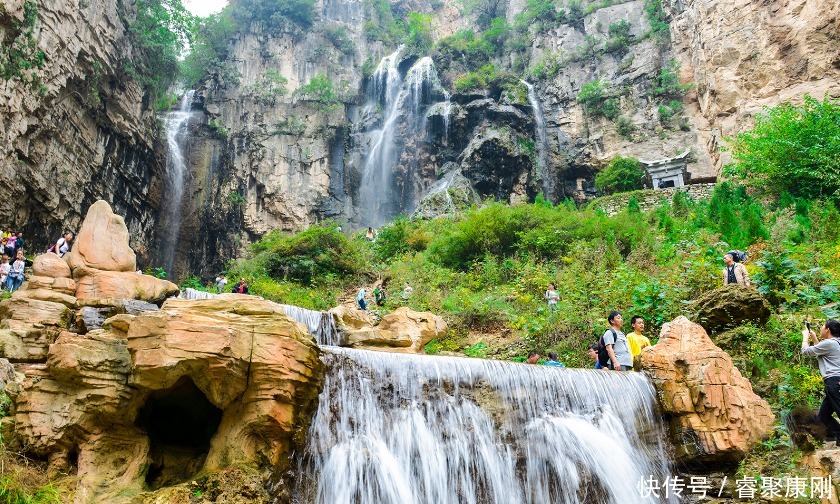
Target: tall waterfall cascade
401 100
410 429
177 122
541 141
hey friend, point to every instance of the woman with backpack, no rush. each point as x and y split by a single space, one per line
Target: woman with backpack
15 277
62 246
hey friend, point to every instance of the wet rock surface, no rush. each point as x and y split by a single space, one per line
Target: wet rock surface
730 306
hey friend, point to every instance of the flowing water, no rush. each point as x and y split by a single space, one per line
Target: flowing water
410 429
177 123
401 100
541 141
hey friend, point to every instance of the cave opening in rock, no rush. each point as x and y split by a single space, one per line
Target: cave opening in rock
180 422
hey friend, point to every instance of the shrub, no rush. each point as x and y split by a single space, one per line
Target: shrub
625 128
321 90
20 57
418 37
793 148
622 174
337 35
209 51
268 87
659 27
619 40
275 15
310 256
595 101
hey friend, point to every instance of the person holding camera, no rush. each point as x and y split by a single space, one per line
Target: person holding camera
827 353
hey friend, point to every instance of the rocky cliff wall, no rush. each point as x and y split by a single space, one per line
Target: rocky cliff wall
83 132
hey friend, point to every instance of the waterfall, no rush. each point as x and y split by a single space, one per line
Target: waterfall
177 123
320 324
401 100
541 141
411 429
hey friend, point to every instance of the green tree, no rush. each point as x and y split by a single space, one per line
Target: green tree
321 90
793 148
159 33
622 174
276 15
418 39
595 100
20 56
208 57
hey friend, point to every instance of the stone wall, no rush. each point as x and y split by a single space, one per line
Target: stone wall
651 198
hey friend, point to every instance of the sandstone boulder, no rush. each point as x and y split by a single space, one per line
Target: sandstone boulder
29 326
714 417
102 242
97 284
230 380
50 265
402 331
730 306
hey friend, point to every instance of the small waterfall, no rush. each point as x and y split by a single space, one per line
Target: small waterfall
402 100
176 133
541 141
410 429
320 324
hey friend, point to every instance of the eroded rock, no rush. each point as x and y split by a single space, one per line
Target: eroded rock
713 414
730 306
102 242
155 398
402 331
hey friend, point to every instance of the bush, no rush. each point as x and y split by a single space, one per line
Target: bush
337 35
418 38
309 257
793 148
209 52
625 128
321 90
20 57
275 15
593 97
622 174
659 27
619 40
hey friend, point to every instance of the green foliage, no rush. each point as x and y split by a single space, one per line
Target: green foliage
594 98
622 174
276 15
619 40
736 216
793 148
337 35
418 37
194 282
217 125
667 83
268 87
155 272
626 128
310 256
13 491
401 236
659 27
20 58
209 51
321 90
381 24
290 125
158 33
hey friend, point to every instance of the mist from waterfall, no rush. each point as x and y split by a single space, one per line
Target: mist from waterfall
410 429
402 100
541 141
177 124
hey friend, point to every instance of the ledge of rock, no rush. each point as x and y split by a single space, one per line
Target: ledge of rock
402 331
713 415
730 306
154 399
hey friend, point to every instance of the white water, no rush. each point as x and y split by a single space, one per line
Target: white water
541 141
401 100
176 132
408 429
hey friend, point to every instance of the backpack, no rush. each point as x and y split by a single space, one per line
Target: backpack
603 355
738 255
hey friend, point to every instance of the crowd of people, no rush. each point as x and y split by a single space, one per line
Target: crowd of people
13 263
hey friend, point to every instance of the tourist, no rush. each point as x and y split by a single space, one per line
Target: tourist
11 249
62 246
19 243
369 234
15 277
552 297
553 360
734 272
379 295
4 270
533 357
7 233
221 281
636 339
593 354
360 298
407 292
827 353
241 287
616 344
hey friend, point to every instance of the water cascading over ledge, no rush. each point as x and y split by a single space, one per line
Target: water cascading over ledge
177 123
404 429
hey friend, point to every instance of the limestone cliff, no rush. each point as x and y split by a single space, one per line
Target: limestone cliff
82 132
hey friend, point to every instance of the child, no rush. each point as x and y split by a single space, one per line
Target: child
15 277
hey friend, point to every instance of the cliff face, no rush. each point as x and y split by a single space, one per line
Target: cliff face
82 133
261 154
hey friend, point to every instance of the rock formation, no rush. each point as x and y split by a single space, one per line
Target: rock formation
401 331
151 400
730 306
713 415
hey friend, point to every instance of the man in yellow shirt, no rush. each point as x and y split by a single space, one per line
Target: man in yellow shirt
635 340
